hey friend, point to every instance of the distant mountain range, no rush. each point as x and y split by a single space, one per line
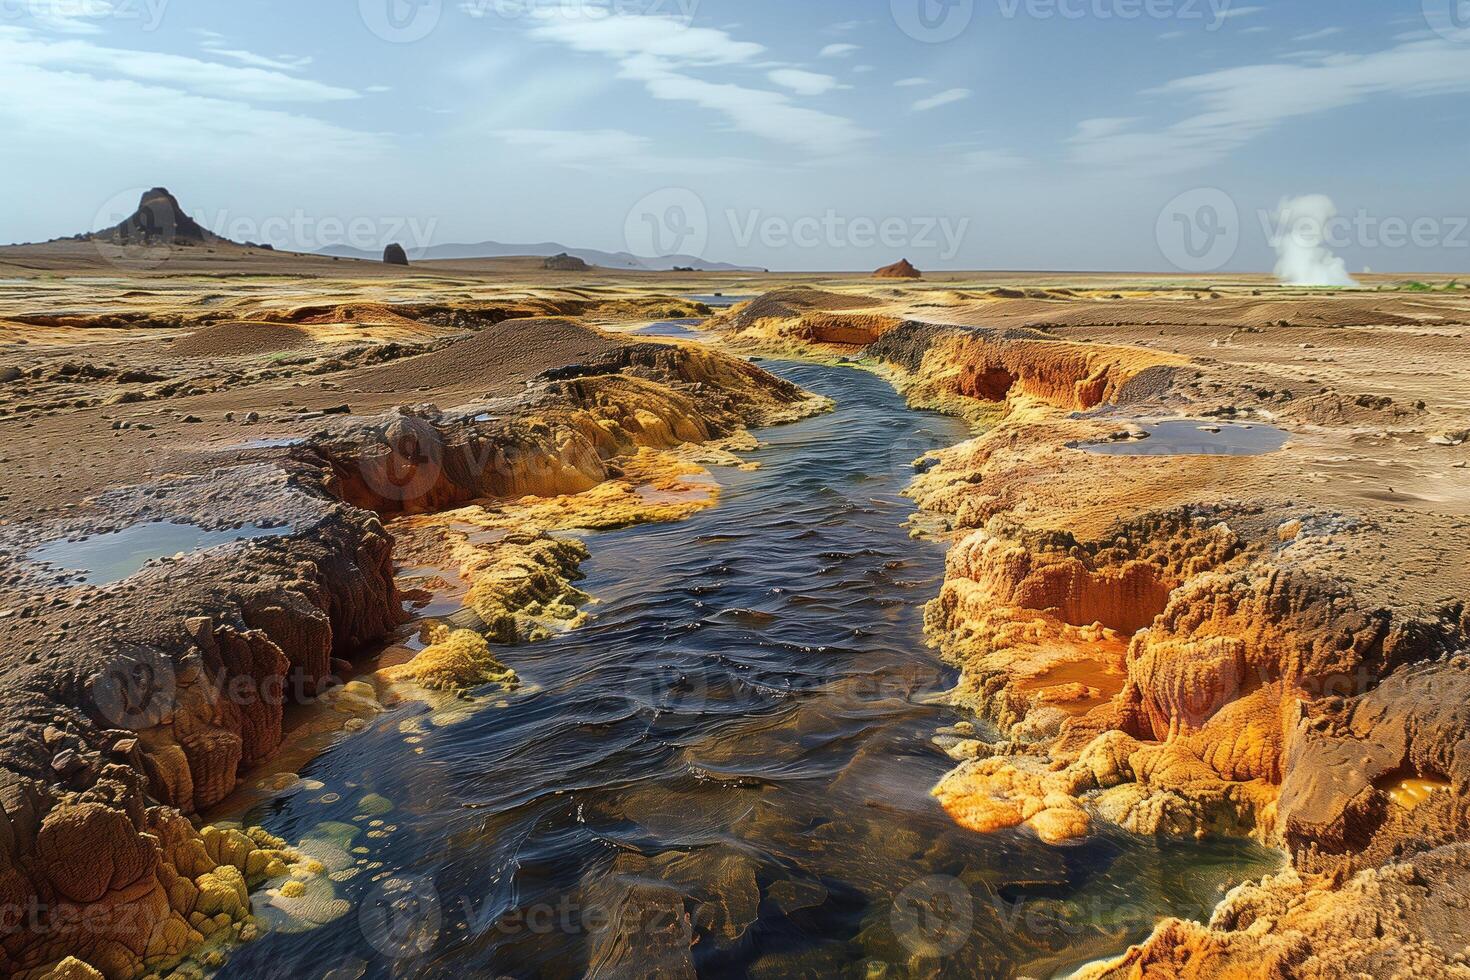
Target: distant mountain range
592 256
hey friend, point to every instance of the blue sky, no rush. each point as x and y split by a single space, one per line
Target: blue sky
820 134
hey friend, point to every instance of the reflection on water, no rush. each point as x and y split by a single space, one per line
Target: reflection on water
726 772
1193 437
104 558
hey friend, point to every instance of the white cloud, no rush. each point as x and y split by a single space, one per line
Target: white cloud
1318 35
838 50
803 82
21 47
663 54
911 82
252 60
943 98
862 69
1237 105
650 37
1238 12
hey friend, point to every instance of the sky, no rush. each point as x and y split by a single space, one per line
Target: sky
1069 135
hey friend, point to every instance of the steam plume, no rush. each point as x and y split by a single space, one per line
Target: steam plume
1302 256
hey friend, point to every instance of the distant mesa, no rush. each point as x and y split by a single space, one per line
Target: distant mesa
395 255
562 262
902 269
158 221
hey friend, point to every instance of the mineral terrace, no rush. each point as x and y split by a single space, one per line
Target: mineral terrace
1207 567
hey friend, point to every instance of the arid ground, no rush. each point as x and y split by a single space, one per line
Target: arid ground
1207 567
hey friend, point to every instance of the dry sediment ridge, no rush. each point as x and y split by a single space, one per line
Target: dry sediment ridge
128 706
1195 644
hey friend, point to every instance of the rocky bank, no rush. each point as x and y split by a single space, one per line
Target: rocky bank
133 706
1192 643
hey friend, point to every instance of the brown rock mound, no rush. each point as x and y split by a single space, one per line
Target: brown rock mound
563 262
902 269
242 339
395 255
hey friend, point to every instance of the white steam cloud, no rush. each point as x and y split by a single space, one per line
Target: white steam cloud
1302 255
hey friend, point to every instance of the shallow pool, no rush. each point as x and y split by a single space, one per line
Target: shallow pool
104 558
1193 437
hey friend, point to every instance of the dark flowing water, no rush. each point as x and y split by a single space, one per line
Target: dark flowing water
727 771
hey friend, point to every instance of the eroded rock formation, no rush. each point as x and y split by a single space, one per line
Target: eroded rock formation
1190 644
152 698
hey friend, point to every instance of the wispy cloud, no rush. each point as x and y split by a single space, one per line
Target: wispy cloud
838 50
942 99
668 58
21 47
1238 105
804 82
911 82
1318 35
158 118
218 47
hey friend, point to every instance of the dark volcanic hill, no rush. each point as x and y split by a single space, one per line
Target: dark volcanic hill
158 221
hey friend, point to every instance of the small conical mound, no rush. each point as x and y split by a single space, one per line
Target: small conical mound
901 269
